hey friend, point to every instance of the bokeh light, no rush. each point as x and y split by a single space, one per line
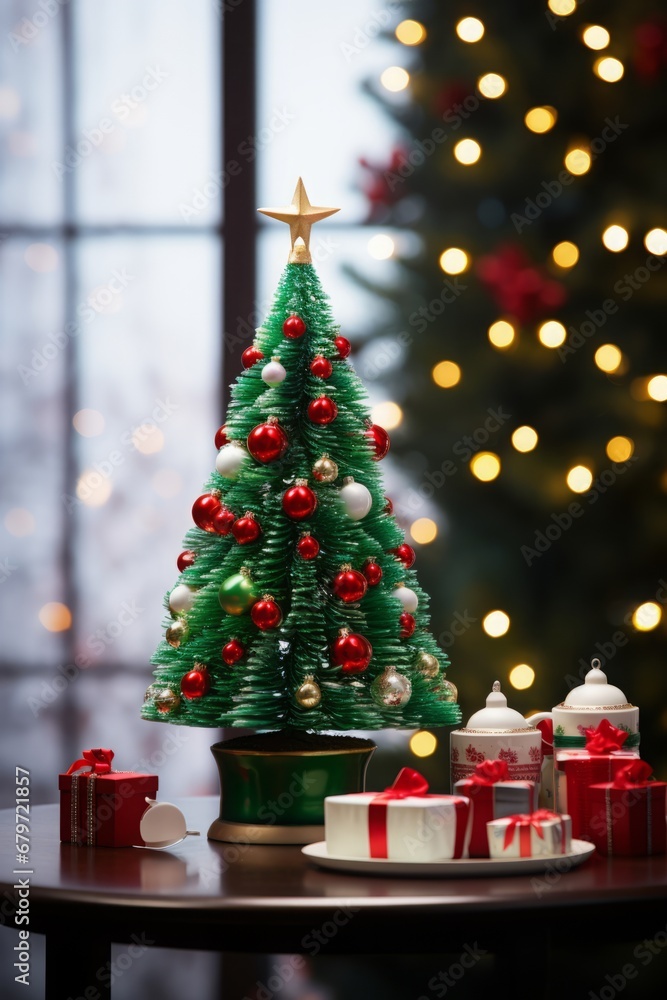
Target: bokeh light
657 388
55 617
467 151
609 69
608 358
387 414
655 242
395 79
485 466
496 623
552 333
88 423
595 37
521 676
423 743
619 448
470 29
148 439
410 32
446 374
424 530
562 7
41 257
540 119
647 616
524 438
565 254
501 334
454 260
492 85
615 238
381 246
578 161
19 522
579 479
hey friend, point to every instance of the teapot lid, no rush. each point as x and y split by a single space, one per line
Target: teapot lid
497 715
595 692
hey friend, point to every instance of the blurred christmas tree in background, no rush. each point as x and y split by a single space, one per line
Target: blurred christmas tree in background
526 219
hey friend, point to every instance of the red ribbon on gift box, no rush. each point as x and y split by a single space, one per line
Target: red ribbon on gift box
488 772
525 822
409 783
637 773
604 738
98 760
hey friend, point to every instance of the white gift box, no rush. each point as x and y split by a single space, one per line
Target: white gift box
529 836
412 828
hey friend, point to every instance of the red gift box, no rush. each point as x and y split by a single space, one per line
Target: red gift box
627 815
577 770
101 807
493 796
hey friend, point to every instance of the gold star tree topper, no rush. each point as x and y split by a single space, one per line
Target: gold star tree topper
299 216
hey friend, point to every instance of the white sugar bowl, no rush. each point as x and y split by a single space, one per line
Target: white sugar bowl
497 732
586 706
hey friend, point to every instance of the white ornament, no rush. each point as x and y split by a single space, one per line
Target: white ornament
230 459
273 373
407 597
357 499
181 598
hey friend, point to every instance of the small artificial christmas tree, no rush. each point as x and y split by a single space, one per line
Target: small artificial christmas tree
297 606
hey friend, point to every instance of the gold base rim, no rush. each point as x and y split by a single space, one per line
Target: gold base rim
218 747
250 833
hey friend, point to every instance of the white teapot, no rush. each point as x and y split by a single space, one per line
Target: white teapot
497 732
586 706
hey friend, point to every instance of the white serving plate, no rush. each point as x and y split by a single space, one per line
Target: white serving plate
455 868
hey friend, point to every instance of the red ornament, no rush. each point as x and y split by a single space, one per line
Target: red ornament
349 585
221 438
322 410
203 510
343 346
195 684
299 502
232 652
373 572
379 438
407 623
294 327
352 652
222 520
266 614
186 559
268 441
246 529
251 356
389 506
405 553
321 367
307 546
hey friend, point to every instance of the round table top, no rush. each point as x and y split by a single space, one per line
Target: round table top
203 875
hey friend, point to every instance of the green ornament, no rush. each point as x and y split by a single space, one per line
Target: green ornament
237 593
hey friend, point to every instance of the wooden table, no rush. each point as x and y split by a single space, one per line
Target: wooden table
222 897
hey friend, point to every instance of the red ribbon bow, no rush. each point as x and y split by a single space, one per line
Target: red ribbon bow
407 782
605 738
636 773
546 727
98 760
525 821
488 772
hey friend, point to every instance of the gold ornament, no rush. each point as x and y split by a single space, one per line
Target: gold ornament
166 701
448 691
309 694
299 216
177 632
325 470
427 664
152 692
391 689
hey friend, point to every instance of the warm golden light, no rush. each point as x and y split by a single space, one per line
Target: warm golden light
615 238
410 32
655 242
492 85
540 119
609 69
521 676
485 466
496 623
395 78
423 744
657 388
446 374
388 415
552 333
565 254
579 479
467 151
562 7
381 246
647 616
19 522
608 358
501 334
524 438
454 260
620 449
595 37
55 617
88 423
424 530
470 29
578 161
